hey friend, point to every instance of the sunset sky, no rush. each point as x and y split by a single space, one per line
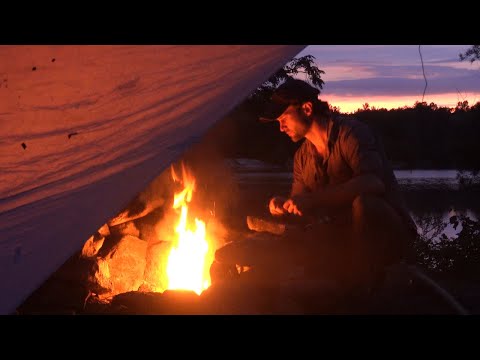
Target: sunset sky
391 76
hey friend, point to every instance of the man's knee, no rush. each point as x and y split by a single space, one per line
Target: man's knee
370 207
377 223
263 249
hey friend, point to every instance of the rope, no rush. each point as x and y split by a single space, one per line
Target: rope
438 289
423 69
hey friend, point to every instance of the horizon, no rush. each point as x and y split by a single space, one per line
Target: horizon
391 76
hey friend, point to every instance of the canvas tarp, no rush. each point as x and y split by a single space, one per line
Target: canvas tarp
83 129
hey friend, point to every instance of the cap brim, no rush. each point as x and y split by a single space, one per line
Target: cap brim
263 119
272 111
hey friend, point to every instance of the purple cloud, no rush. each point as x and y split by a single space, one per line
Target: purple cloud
401 86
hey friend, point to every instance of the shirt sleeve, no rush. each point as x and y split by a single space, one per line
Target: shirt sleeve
298 185
361 151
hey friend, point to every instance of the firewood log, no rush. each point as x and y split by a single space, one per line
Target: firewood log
262 225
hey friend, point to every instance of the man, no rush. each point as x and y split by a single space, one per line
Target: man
340 174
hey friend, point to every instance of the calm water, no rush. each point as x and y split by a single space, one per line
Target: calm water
443 179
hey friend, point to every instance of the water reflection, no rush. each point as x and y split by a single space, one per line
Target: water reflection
449 230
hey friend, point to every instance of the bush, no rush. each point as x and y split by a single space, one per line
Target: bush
457 256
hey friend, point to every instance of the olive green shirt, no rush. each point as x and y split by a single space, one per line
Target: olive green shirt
353 150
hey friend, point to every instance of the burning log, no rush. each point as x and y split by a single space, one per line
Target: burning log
286 223
135 212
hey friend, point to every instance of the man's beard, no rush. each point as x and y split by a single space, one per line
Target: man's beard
300 131
296 138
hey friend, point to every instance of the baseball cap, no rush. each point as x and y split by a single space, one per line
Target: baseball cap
291 92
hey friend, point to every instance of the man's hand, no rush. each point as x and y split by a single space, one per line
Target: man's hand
299 204
276 206
291 207
296 205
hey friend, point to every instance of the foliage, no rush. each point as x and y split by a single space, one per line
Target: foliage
457 256
471 54
428 136
468 179
305 64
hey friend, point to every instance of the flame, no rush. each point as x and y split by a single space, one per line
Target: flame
189 261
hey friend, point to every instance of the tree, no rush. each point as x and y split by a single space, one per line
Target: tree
476 107
334 109
305 64
471 54
420 105
462 106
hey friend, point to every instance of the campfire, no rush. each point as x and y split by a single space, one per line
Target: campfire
189 261
177 255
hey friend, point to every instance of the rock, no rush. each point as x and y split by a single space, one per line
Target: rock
126 228
122 269
92 246
156 264
104 230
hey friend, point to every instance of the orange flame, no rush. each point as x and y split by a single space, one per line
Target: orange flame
188 265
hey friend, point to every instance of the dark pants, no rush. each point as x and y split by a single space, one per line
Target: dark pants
371 236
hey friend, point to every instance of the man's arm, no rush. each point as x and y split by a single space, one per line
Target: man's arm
335 196
298 186
280 205
344 194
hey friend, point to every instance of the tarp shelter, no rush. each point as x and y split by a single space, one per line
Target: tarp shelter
83 129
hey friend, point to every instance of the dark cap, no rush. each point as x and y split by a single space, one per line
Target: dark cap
291 92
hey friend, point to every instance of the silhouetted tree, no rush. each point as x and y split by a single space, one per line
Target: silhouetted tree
471 54
420 105
468 178
334 109
305 64
462 106
427 135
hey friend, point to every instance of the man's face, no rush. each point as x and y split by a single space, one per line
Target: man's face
294 122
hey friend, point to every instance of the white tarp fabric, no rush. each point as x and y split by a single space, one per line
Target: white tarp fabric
83 129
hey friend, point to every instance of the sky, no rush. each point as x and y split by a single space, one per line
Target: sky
391 76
